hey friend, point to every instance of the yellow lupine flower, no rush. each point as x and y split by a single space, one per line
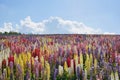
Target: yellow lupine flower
45 47
44 74
32 61
8 71
21 55
76 58
24 57
47 70
87 63
81 60
90 46
21 64
28 56
42 61
95 64
91 59
76 61
85 74
65 66
16 59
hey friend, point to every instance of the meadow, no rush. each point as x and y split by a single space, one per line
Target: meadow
60 57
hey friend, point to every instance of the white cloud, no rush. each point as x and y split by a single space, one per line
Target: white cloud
8 27
52 25
60 26
77 27
109 33
69 26
33 27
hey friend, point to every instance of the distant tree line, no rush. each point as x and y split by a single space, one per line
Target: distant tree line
10 33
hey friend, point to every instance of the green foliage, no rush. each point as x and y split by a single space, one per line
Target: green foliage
66 76
88 77
73 77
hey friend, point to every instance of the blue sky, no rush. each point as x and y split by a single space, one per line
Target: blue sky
77 16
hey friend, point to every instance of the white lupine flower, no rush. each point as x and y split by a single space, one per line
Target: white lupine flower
60 70
112 76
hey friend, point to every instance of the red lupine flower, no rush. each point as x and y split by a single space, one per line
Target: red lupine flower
33 54
4 63
11 59
37 51
51 43
68 62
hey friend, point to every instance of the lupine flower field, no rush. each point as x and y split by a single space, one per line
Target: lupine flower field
60 57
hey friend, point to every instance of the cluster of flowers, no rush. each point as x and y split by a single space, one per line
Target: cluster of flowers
61 57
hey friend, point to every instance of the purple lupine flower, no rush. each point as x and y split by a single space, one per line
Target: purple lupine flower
55 73
11 70
63 60
119 68
91 74
83 50
11 65
91 77
19 71
36 69
60 51
83 75
78 72
28 65
37 72
89 50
